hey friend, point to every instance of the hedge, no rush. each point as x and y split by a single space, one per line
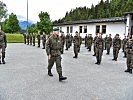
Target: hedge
14 38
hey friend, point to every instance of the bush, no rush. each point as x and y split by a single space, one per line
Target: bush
14 38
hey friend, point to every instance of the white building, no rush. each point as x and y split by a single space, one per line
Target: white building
115 25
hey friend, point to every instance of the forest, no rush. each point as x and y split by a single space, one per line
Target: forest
104 9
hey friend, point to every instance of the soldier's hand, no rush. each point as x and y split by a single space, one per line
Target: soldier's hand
49 57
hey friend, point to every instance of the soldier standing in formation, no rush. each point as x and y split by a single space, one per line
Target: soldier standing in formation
30 35
124 41
3 45
76 42
99 48
24 38
116 46
27 36
43 40
38 39
80 42
34 39
105 46
67 41
62 38
94 46
86 40
129 50
54 54
89 42
108 43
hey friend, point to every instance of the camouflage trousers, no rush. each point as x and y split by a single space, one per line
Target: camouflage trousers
57 60
2 49
108 46
99 53
76 50
129 61
115 52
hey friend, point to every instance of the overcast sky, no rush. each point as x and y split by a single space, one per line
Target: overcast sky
56 8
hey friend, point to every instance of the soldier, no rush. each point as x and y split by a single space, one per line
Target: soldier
124 41
43 40
116 46
3 45
62 38
30 35
67 41
86 40
89 42
27 36
24 38
105 42
38 39
80 42
54 54
34 39
108 44
94 46
71 40
99 48
76 42
129 50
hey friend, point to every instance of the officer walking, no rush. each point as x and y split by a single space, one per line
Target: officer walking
116 46
3 45
54 54
129 50
99 48
76 42
108 44
43 40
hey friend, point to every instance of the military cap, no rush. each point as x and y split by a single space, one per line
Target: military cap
117 34
56 29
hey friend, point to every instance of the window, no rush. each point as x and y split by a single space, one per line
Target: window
67 29
80 29
103 29
98 29
85 29
71 29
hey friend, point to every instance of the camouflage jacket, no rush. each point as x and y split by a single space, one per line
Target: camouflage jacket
124 41
90 39
99 43
129 46
62 38
117 43
53 46
3 40
76 41
109 40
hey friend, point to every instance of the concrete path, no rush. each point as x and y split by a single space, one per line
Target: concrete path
24 76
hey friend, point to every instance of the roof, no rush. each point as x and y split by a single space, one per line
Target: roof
131 13
113 19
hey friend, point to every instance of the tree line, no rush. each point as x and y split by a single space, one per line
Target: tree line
104 9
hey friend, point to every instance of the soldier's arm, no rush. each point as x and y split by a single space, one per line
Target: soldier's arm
5 40
48 49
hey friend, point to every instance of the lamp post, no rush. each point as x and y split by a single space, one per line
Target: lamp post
27 19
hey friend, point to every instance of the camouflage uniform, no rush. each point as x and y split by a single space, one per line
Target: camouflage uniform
94 46
108 44
62 38
89 42
3 45
67 41
105 46
124 41
80 43
24 38
77 43
43 41
53 47
116 47
129 50
38 39
30 38
99 49
27 36
86 40
34 39
71 40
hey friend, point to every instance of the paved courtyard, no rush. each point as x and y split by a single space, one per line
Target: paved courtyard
24 76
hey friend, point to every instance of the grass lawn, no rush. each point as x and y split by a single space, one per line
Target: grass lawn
14 38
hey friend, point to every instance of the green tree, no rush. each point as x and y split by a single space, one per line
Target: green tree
32 28
45 24
3 10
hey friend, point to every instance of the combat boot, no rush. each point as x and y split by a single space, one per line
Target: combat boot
3 61
61 78
127 70
0 61
49 73
3 57
130 71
